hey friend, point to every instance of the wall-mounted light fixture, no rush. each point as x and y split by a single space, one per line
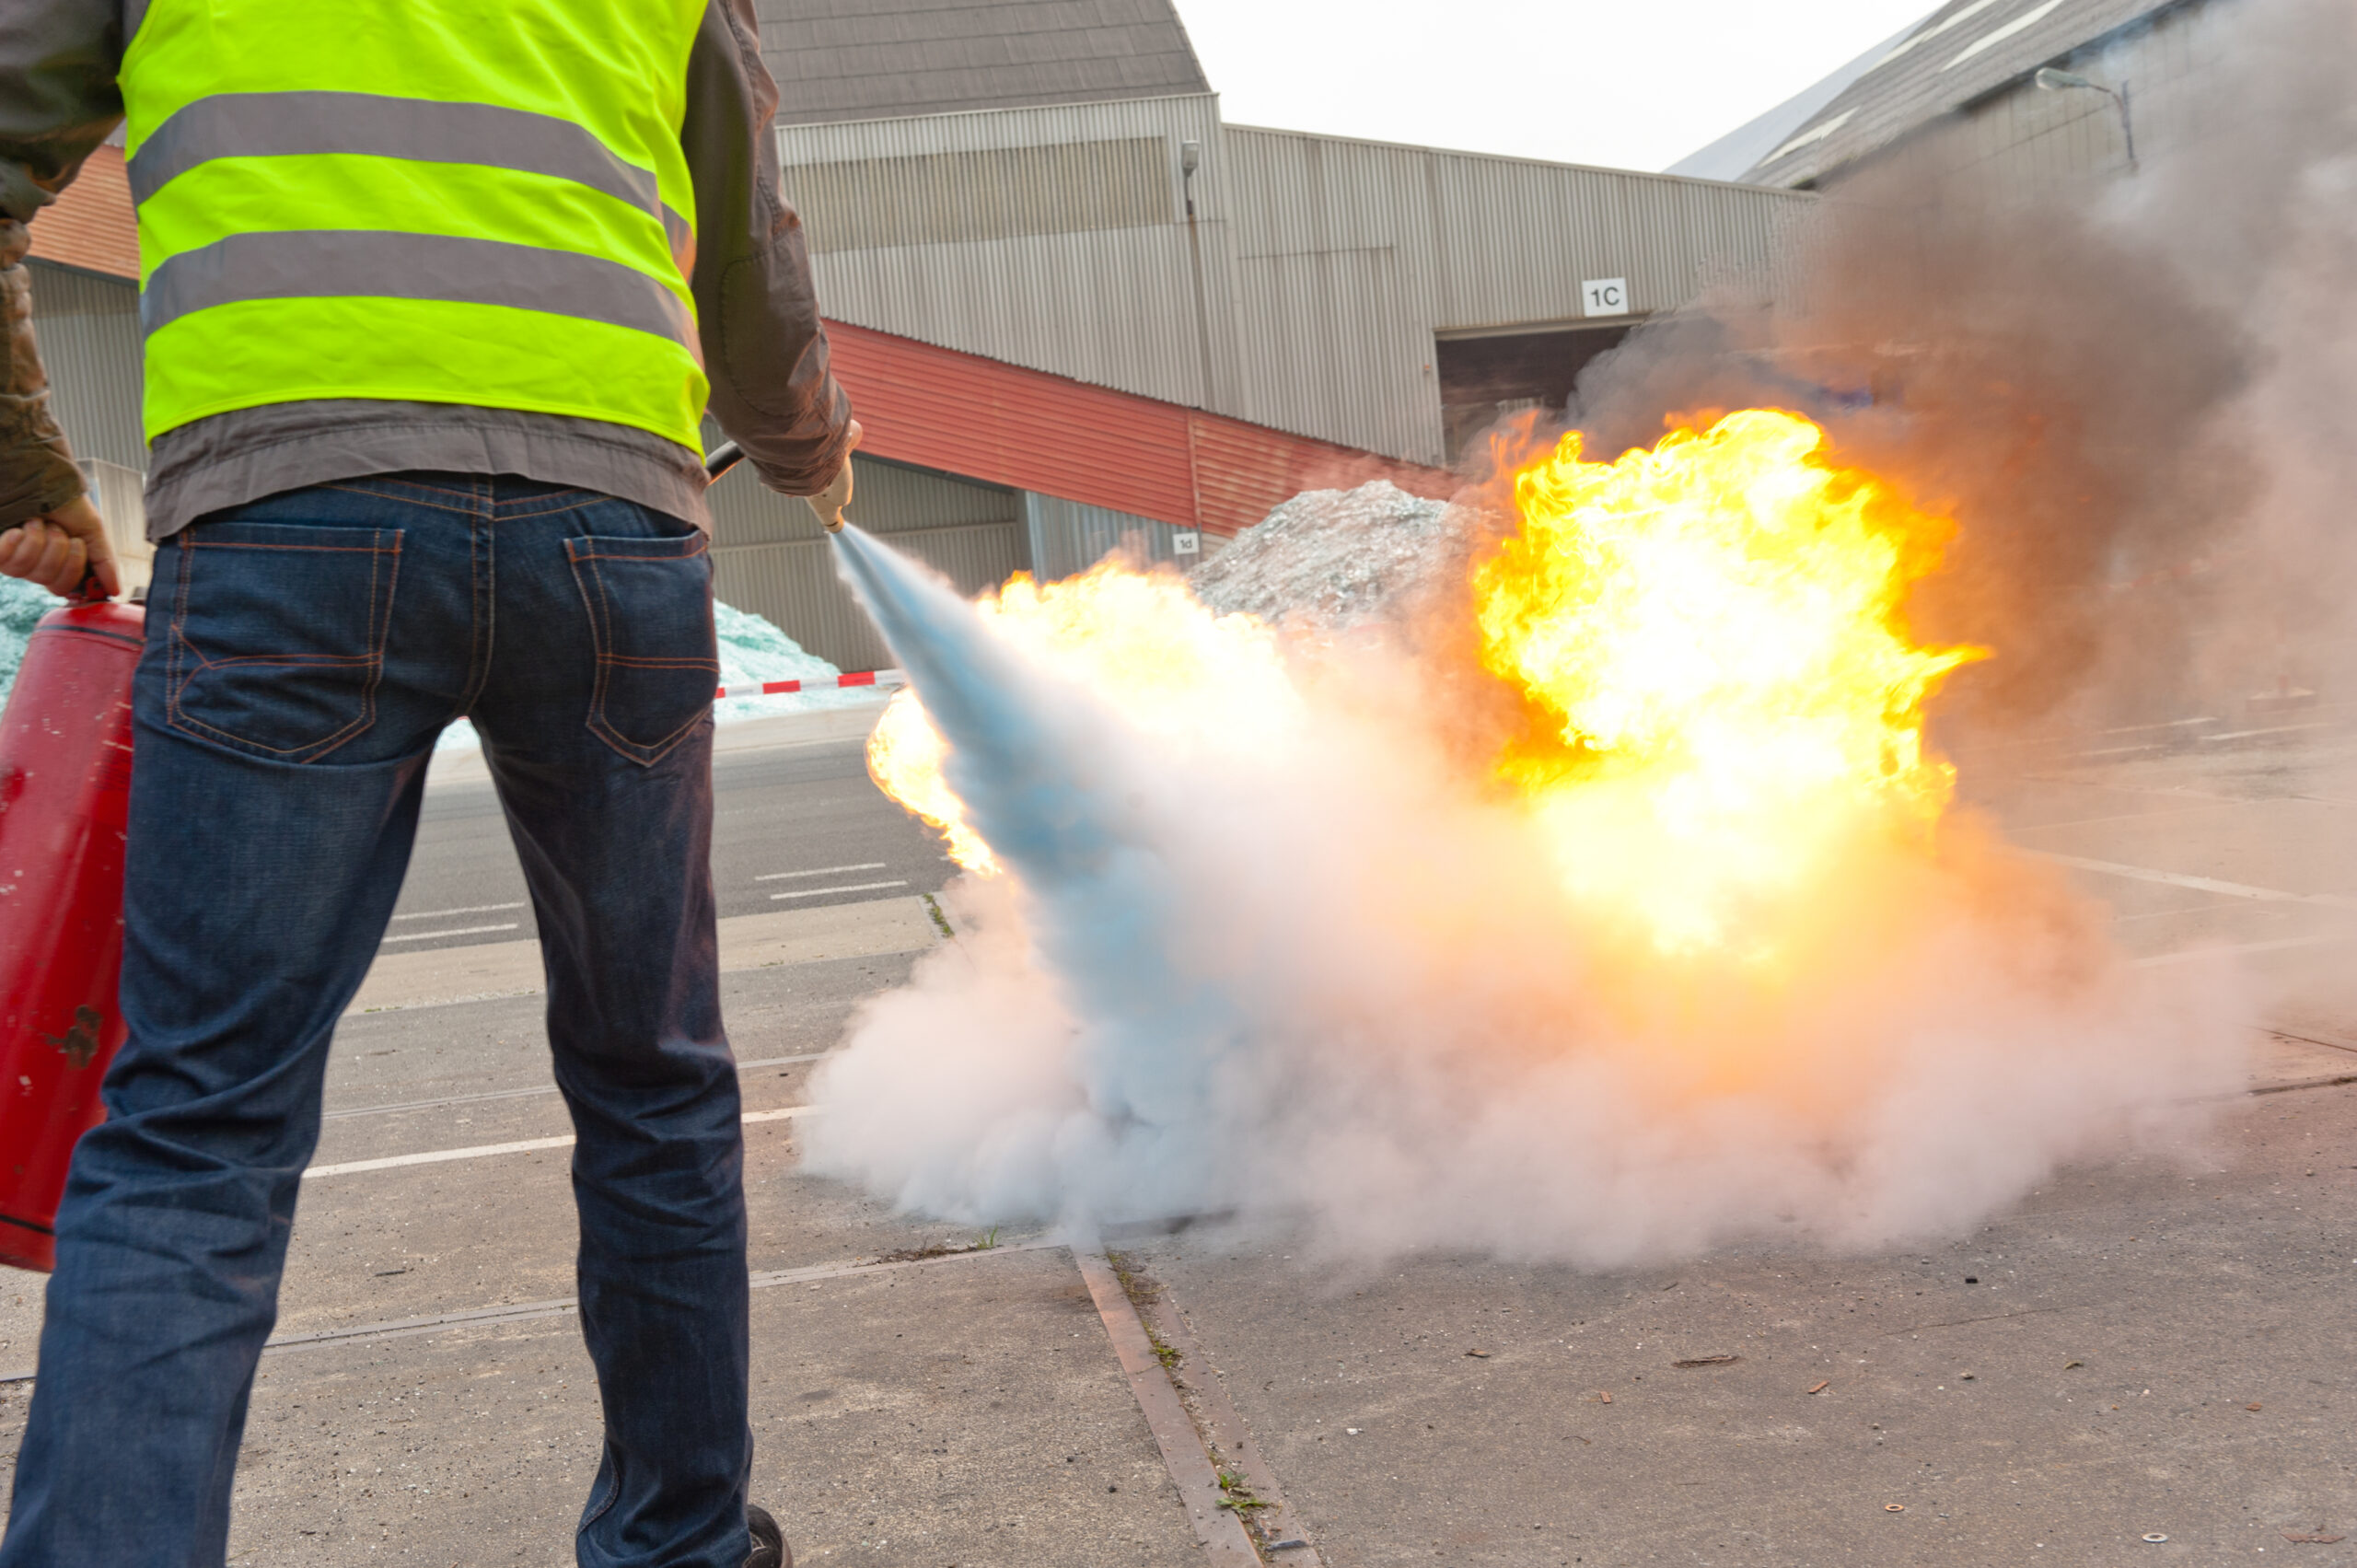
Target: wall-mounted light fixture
2050 80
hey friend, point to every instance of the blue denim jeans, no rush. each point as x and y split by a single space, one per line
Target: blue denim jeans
302 654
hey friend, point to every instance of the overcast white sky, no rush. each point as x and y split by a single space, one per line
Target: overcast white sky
1635 85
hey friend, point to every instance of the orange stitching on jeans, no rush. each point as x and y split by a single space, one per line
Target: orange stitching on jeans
175 635
700 549
595 611
645 754
573 501
379 634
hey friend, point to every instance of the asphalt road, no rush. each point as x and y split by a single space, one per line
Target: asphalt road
796 826
2142 1361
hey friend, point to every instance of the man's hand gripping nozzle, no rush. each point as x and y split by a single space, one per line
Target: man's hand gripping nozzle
828 503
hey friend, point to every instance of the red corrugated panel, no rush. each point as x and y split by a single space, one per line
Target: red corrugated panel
966 414
1241 471
91 225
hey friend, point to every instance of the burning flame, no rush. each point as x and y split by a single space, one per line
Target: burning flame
905 755
1707 640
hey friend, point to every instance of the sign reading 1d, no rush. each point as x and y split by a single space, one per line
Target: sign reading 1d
1604 297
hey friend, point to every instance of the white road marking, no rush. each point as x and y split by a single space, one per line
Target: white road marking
403 1328
852 887
2190 954
824 871
2117 816
522 1146
521 1311
522 1093
461 931
2204 884
435 1156
470 908
2255 734
2164 724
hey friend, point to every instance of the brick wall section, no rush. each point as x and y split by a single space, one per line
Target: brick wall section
91 225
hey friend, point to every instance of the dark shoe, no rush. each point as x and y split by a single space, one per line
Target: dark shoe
769 1549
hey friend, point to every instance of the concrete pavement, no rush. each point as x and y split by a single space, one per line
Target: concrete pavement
1979 1402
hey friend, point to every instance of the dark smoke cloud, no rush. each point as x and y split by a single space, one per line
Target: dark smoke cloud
2134 394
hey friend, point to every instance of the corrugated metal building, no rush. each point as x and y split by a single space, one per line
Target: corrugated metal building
1078 311
1304 283
1959 89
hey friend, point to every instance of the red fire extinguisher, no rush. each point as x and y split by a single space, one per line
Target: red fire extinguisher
65 802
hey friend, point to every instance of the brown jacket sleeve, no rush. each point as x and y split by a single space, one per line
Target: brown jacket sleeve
764 347
58 101
37 472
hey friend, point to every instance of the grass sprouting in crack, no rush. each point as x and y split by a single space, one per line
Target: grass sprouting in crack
986 1242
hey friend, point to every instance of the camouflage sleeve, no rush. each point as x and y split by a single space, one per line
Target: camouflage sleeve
37 472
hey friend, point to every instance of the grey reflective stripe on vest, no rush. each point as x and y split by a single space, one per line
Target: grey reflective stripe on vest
331 263
290 124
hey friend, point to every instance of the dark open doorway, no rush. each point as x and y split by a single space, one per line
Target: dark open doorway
1485 375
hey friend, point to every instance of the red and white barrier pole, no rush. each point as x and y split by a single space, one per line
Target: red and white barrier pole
778 687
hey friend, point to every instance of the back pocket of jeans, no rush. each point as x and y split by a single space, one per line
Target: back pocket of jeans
650 620
278 634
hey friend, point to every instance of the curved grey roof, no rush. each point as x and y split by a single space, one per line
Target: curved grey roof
1733 155
878 59
1962 52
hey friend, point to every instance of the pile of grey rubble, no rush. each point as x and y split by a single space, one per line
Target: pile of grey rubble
1336 559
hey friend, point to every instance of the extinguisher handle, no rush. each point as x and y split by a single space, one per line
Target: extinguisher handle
90 590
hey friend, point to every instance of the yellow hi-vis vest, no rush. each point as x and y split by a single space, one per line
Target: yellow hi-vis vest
477 202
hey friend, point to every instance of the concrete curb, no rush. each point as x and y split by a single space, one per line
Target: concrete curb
1222 1534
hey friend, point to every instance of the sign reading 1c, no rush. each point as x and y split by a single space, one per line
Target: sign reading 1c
1604 297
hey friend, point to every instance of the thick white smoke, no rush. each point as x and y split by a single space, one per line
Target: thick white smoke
1265 949
1284 955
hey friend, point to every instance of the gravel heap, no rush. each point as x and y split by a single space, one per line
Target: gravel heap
1335 558
21 605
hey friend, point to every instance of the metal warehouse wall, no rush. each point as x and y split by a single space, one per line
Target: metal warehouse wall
121 495
1065 537
2029 142
771 557
1077 264
1323 267
88 330
2020 144
1355 253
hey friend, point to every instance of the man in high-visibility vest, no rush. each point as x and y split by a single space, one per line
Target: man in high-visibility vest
435 293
